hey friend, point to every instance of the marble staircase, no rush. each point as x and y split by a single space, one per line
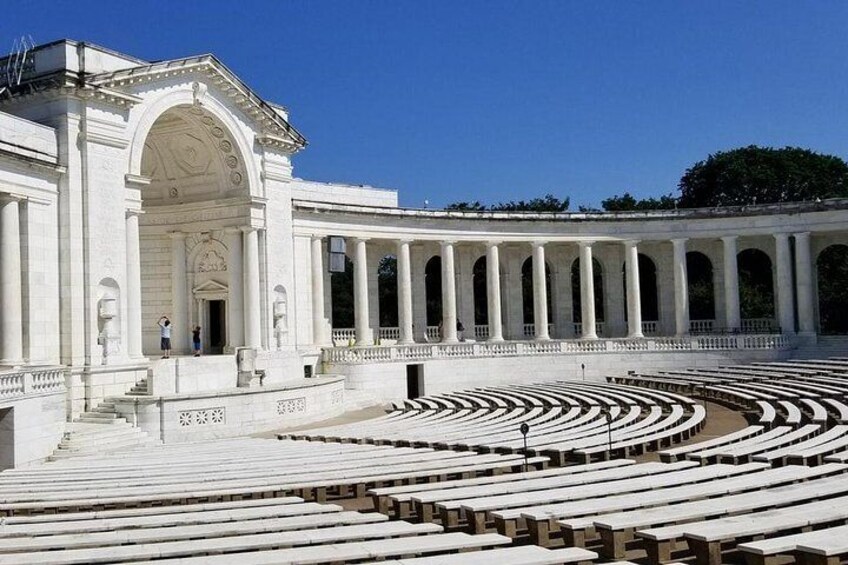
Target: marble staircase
103 435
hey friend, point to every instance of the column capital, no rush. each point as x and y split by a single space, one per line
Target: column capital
315 236
360 239
781 235
407 240
679 240
447 242
177 234
729 238
8 197
631 242
802 235
586 242
131 212
249 229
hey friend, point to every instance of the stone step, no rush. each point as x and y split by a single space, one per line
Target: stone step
97 414
106 421
103 443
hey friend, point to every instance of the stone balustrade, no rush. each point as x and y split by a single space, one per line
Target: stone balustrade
419 352
20 383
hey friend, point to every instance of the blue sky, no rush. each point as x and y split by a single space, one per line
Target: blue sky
448 100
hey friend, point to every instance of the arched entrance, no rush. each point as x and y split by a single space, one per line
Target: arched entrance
832 277
699 272
387 291
194 239
433 290
756 290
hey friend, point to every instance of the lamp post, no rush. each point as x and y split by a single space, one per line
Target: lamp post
608 416
524 429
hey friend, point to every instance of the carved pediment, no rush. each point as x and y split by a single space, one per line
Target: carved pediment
210 287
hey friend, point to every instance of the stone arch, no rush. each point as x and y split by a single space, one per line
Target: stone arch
433 290
148 114
576 299
756 284
832 287
342 306
387 291
699 274
527 294
481 292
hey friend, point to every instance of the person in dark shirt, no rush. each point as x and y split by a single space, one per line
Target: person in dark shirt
195 340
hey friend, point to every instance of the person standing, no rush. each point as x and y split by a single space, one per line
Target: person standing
195 340
165 336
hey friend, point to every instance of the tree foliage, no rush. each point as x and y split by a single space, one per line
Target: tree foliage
760 175
627 202
546 203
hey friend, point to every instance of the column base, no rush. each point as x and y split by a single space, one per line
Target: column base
498 339
589 336
638 335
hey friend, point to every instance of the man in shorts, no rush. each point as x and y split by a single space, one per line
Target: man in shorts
165 336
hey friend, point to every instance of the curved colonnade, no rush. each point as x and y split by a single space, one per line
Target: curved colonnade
565 275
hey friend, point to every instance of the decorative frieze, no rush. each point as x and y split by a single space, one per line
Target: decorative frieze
202 417
292 406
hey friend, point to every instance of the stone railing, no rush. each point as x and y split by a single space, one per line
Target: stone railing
389 333
757 325
24 382
343 335
701 326
530 330
650 328
481 331
578 328
424 351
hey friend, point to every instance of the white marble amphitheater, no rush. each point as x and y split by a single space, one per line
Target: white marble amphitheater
671 415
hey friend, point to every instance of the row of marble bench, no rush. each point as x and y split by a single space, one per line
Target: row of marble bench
657 504
226 501
568 421
799 409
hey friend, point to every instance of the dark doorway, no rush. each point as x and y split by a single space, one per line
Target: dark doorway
217 326
414 381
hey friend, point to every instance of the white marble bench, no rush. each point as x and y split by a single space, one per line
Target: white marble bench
675 454
767 552
516 555
577 521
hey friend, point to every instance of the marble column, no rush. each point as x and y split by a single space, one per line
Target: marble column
785 303
493 292
179 294
11 312
319 324
133 287
448 294
634 295
235 299
804 284
360 292
731 284
587 291
252 309
681 288
540 292
404 282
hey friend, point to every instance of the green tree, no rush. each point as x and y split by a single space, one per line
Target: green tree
627 202
546 203
760 175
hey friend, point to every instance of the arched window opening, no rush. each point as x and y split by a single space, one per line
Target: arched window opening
699 273
481 304
341 293
433 290
387 291
832 275
756 290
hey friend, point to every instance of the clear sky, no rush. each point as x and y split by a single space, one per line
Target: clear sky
499 100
